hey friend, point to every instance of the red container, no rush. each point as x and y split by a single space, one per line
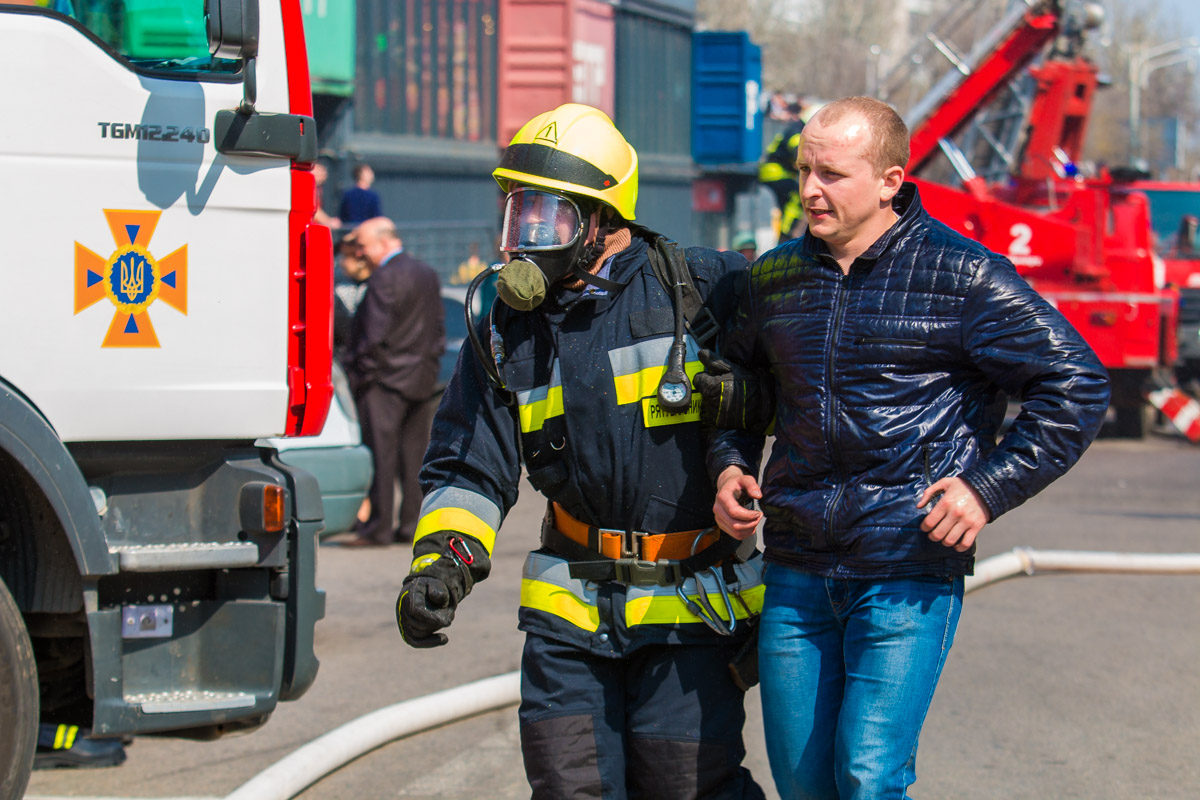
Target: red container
552 52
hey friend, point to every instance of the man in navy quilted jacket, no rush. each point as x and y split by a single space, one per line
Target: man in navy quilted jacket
889 342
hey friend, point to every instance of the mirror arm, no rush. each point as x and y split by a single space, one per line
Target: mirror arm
249 88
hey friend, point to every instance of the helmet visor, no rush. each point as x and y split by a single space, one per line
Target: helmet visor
537 220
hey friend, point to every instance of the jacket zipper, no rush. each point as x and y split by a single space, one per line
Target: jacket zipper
887 340
839 313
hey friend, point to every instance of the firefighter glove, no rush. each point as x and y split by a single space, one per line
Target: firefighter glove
734 397
445 567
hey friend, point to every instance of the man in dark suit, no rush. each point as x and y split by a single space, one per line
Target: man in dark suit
397 338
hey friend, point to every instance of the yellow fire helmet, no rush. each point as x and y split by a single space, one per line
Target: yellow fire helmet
574 149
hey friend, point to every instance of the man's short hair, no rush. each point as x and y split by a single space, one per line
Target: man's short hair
889 135
358 170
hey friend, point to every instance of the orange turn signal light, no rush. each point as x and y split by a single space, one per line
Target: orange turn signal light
273 512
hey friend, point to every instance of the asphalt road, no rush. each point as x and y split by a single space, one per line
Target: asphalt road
1057 687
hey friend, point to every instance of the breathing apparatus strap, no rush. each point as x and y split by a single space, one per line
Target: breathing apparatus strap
671 269
596 280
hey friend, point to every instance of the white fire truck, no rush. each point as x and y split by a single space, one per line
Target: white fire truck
165 303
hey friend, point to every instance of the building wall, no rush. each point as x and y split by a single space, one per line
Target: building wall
427 109
653 110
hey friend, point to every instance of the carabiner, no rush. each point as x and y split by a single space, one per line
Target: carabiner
469 558
703 609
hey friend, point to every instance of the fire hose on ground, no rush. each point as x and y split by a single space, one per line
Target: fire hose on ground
291 775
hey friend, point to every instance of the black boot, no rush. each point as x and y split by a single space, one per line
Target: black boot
69 746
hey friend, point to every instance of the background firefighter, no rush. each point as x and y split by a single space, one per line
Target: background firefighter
629 625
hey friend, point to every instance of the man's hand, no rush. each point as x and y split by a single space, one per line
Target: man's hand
956 517
732 508
733 397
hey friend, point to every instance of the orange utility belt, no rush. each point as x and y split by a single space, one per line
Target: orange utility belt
634 558
635 544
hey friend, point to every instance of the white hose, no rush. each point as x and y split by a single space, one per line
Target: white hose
299 770
292 774
1026 561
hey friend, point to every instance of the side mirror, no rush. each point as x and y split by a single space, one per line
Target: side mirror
232 28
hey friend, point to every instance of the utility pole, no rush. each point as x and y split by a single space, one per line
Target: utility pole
1143 62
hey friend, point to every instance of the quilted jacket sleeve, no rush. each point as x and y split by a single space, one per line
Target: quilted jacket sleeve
1028 348
738 343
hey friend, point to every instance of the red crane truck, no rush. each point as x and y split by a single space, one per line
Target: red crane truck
1084 243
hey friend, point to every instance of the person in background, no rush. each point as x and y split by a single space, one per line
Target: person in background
777 172
351 270
69 746
397 338
360 202
320 175
633 607
746 243
889 342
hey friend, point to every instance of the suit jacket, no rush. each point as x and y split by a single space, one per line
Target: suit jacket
398 333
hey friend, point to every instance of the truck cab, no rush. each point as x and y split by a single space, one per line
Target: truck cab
1175 217
169 306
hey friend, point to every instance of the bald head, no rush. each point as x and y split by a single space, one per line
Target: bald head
377 239
886 142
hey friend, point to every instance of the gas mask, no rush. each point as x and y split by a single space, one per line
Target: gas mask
547 235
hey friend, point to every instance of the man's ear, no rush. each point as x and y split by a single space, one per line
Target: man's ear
892 179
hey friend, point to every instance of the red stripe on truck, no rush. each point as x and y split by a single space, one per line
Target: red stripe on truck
310 263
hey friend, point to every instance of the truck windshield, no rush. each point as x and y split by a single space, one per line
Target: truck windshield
1173 214
149 34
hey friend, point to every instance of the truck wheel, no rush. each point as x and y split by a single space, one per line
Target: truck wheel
18 700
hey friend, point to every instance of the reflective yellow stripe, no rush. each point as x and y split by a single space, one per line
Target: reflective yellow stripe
644 383
792 212
542 596
456 519
64 737
670 610
771 171
535 414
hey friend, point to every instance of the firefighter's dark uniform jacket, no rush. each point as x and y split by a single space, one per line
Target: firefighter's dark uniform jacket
583 371
779 159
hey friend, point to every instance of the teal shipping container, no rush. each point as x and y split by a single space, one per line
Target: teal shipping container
726 83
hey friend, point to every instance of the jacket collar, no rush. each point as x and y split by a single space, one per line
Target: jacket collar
906 204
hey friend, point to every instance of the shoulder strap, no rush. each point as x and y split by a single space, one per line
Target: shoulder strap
671 269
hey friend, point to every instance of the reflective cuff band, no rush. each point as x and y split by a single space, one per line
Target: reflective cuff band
458 520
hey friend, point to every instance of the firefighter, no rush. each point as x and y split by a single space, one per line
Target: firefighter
634 606
778 172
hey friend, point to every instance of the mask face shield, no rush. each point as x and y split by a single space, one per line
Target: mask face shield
537 221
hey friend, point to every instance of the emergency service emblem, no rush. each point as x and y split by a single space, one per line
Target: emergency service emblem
131 278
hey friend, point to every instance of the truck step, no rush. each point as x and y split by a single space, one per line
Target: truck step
191 700
198 555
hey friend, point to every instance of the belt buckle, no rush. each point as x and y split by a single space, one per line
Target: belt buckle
636 550
636 572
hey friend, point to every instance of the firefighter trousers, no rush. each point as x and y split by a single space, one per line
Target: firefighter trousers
664 722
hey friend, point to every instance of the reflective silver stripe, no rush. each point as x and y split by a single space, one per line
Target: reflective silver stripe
749 575
637 369
538 393
557 572
637 357
454 497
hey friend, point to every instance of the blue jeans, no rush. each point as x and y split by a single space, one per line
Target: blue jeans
848 669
